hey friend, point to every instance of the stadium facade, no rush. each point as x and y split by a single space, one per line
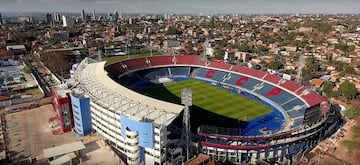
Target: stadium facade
141 127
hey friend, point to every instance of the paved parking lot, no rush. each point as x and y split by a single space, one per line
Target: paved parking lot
29 132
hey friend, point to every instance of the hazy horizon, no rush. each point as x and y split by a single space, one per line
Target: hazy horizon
185 6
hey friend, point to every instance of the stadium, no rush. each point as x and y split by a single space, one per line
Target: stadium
237 114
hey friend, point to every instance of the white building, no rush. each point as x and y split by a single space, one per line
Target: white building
67 21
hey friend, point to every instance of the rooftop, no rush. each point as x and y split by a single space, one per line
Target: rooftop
15 47
96 83
61 91
63 149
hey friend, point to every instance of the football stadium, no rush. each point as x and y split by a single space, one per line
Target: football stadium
236 115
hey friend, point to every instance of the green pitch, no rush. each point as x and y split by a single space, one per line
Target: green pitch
210 98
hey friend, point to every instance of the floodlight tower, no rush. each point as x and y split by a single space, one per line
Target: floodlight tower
205 47
301 65
186 99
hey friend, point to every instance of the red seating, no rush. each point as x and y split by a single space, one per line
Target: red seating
161 60
290 85
118 68
219 65
272 78
257 147
248 71
191 60
115 69
313 98
138 63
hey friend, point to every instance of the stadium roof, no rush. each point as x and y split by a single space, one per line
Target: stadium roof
95 82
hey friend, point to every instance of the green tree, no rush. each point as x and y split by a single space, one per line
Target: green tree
351 113
275 65
219 53
348 90
173 31
245 48
327 88
349 69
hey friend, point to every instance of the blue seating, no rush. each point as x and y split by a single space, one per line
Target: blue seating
298 122
265 89
219 76
180 71
249 84
211 74
293 113
129 79
201 72
292 104
160 72
283 97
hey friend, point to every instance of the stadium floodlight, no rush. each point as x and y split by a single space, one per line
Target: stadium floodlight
186 97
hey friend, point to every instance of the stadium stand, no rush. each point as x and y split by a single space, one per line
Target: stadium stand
279 98
157 73
116 69
189 60
130 79
263 88
180 71
290 85
134 64
272 78
251 72
292 103
312 98
220 65
298 121
164 60
286 98
235 147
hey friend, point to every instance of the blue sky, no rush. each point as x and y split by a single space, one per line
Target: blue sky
184 6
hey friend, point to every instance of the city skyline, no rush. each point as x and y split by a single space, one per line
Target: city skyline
185 6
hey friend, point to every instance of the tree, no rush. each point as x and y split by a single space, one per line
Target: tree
275 65
351 112
348 90
245 48
349 69
173 31
327 88
219 53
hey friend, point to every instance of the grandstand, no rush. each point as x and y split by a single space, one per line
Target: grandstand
124 117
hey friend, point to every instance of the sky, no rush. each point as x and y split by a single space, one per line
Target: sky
185 6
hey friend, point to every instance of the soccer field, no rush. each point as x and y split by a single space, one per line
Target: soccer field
210 98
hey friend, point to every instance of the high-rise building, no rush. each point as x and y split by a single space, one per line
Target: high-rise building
94 15
115 16
82 15
48 19
67 21
1 20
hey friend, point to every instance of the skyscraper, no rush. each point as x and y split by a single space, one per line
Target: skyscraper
94 15
115 16
67 21
1 21
82 15
48 19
